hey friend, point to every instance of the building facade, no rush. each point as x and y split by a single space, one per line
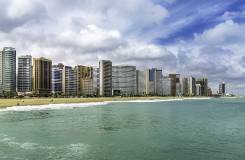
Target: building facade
42 76
96 80
198 90
69 80
149 81
24 76
124 80
88 86
8 70
175 90
166 86
105 67
192 86
83 72
185 87
204 86
222 88
57 79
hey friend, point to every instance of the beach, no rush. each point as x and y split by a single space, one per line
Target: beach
44 101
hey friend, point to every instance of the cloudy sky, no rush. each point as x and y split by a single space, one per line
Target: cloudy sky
194 38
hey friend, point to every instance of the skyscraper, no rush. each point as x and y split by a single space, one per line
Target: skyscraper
24 76
69 81
166 86
124 80
149 81
185 86
83 72
105 67
57 77
192 86
175 84
204 86
42 76
8 70
222 88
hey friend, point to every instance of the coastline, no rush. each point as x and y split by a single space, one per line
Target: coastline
45 101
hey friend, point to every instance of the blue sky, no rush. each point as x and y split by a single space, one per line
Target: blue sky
190 37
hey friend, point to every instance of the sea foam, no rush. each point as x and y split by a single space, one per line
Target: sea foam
77 105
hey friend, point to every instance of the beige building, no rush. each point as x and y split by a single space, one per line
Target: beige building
42 76
83 72
88 86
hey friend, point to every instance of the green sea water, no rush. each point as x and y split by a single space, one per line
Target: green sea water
201 129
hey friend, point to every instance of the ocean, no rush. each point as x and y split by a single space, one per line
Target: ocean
135 130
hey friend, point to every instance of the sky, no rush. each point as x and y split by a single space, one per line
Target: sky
203 39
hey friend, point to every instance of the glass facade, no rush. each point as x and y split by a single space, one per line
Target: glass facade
56 79
124 80
24 80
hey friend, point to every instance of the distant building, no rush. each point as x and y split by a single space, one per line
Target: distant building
96 79
222 88
42 76
69 86
209 90
198 89
88 86
166 85
8 70
124 80
175 84
204 86
192 86
185 86
141 78
24 76
105 67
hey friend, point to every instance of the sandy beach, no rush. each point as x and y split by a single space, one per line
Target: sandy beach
43 101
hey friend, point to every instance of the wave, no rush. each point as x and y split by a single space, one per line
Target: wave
77 105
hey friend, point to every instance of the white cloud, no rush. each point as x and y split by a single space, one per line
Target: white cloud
227 32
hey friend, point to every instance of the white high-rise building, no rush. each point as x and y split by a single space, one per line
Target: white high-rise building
8 70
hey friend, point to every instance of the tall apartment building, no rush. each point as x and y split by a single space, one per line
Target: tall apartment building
166 86
204 86
105 67
198 89
175 90
124 80
69 81
83 72
185 86
42 76
192 86
149 81
88 86
57 73
8 70
189 86
96 80
24 76
222 88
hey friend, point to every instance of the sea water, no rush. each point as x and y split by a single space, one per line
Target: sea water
144 130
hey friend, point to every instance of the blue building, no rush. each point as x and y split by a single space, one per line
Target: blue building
56 79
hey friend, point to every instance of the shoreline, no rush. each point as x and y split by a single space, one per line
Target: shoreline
4 103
